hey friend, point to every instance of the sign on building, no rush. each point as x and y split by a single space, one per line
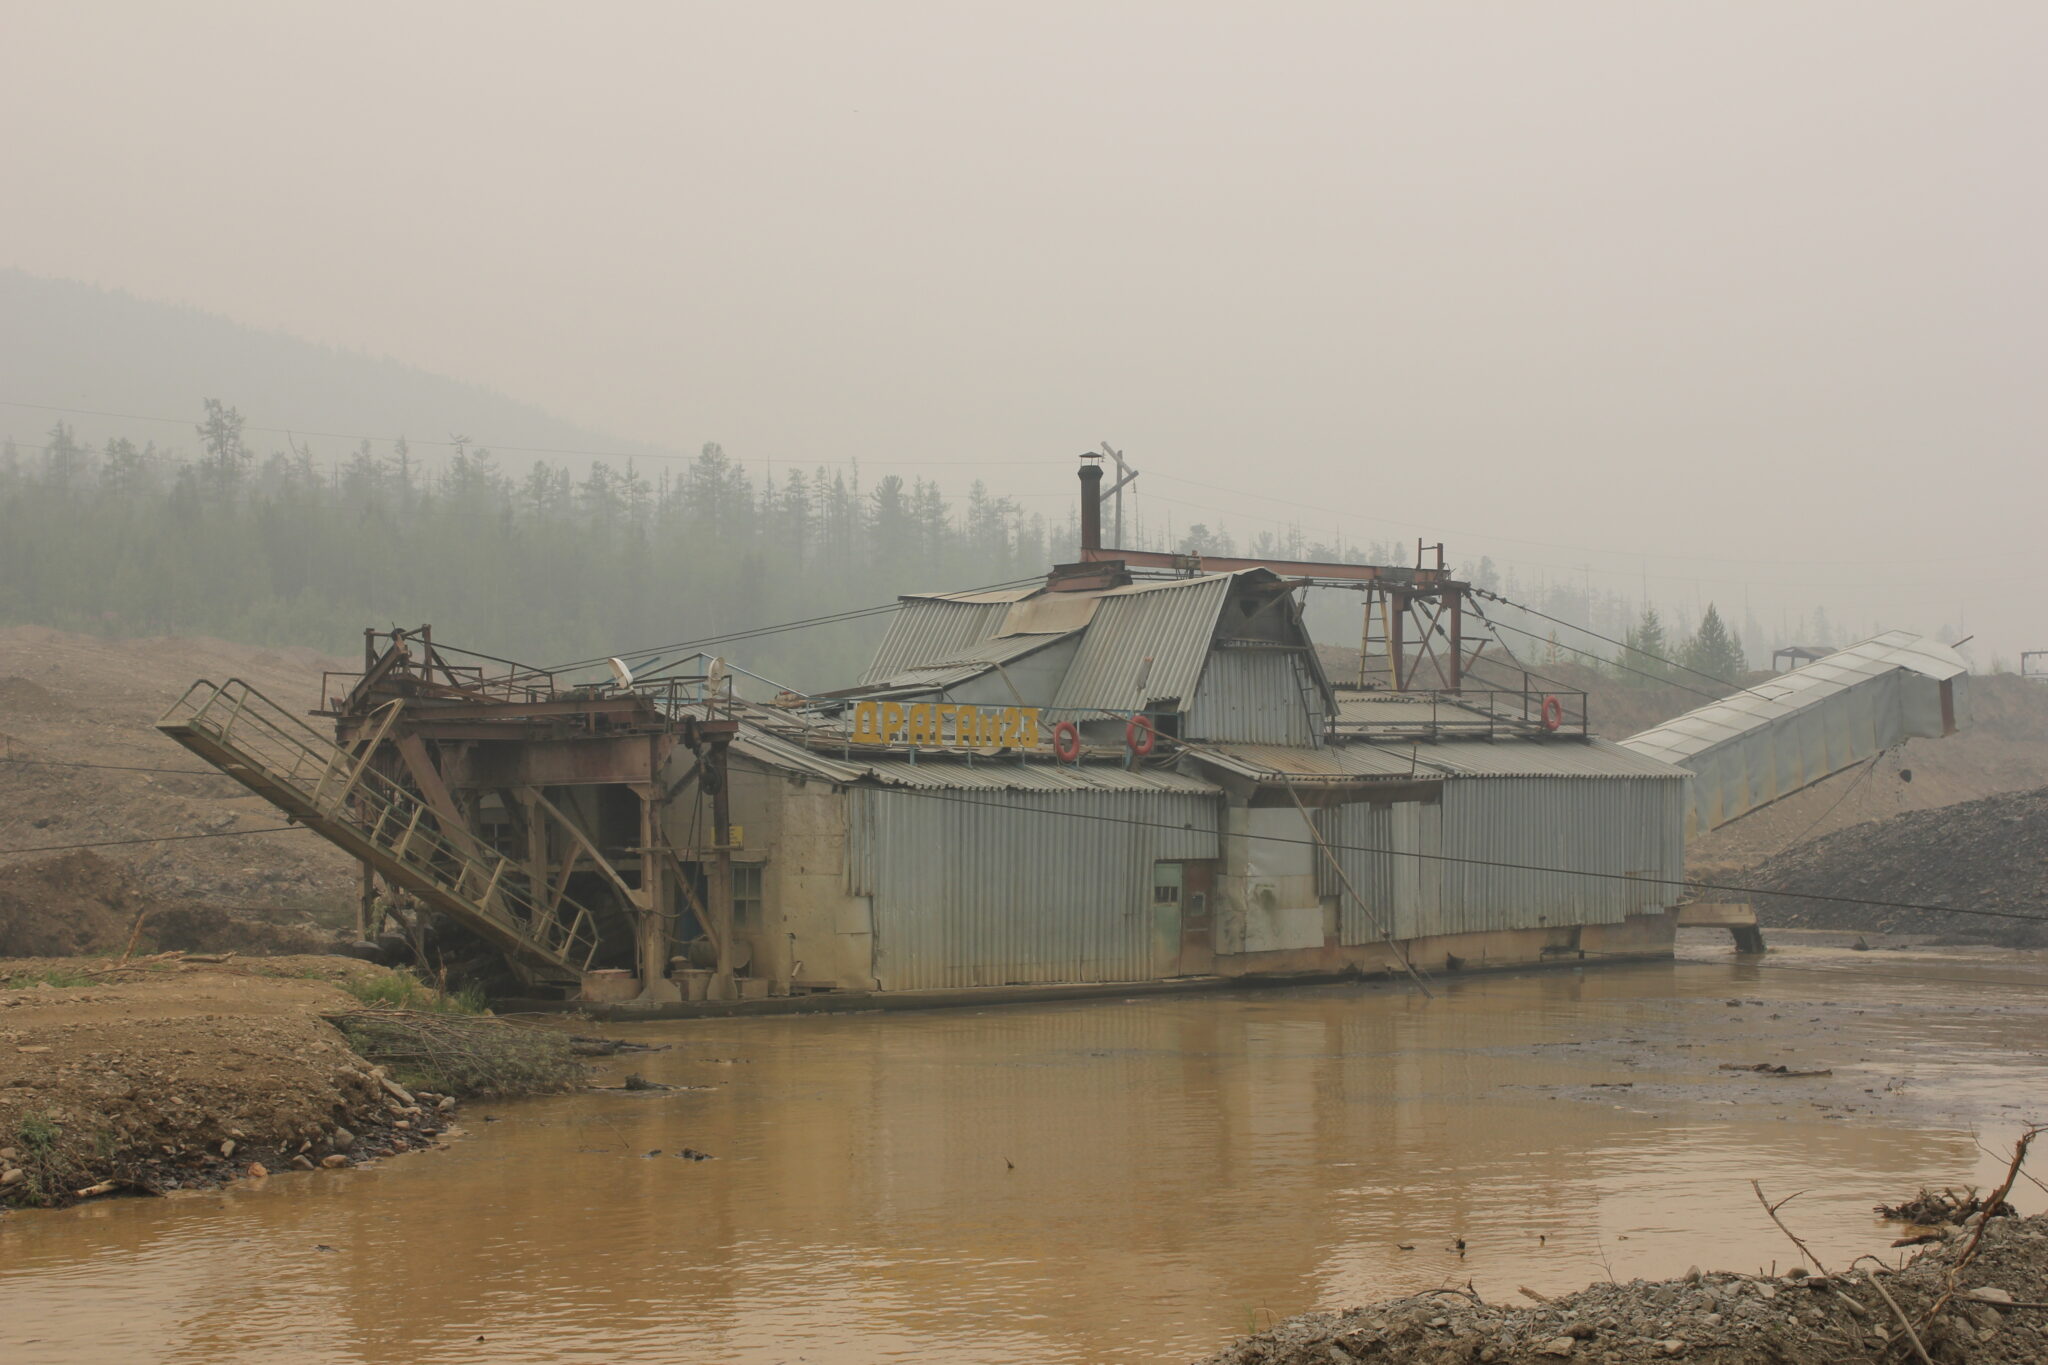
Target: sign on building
938 723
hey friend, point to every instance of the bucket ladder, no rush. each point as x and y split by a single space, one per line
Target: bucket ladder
338 793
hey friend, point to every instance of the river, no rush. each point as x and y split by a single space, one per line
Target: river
1105 1180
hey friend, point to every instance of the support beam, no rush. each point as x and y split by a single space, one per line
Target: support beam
576 835
722 987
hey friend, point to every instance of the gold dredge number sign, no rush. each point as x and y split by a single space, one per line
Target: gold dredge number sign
969 727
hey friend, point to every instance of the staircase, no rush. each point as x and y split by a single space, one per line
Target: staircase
336 793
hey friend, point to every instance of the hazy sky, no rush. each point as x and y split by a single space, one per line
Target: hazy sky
1747 297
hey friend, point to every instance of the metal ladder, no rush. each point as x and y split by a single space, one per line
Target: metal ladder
336 793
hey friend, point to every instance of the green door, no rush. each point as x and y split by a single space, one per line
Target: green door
1167 884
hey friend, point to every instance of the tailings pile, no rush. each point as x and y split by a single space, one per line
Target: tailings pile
1980 855
1984 1312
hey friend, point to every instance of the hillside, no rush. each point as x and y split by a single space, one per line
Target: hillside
72 699
71 345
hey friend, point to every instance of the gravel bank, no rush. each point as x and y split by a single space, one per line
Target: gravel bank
1984 854
1714 1319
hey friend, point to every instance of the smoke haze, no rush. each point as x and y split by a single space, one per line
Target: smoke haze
1740 303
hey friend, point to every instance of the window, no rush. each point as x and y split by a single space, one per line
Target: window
1166 883
746 894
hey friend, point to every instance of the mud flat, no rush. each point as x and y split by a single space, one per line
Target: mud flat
169 1075
1992 1310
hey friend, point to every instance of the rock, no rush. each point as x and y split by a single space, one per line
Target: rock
1987 1294
257 1170
396 1091
11 1177
445 1104
1580 1331
336 1162
1557 1346
227 1147
9 1154
342 1140
1671 1346
302 1163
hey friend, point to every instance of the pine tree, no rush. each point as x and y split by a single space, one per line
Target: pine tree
1714 650
1645 650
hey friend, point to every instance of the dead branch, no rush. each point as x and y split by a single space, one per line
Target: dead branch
1984 1215
1893 1304
1772 1210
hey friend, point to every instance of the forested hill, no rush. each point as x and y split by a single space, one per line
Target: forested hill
71 345
128 527
536 562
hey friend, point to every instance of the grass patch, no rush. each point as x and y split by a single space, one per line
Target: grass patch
453 1052
404 991
50 1172
47 976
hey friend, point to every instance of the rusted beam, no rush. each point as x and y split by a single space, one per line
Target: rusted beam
625 760
420 764
1358 573
632 894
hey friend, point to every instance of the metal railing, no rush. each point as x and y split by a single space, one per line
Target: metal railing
1484 713
277 755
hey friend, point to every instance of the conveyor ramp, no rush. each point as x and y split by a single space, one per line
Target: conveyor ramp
1768 741
338 794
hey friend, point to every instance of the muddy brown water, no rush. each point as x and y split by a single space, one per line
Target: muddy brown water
1091 1181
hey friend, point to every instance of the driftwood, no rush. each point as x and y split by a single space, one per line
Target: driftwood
1766 1069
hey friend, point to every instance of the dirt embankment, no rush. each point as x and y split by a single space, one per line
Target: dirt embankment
1987 854
164 1075
70 699
73 904
1717 1319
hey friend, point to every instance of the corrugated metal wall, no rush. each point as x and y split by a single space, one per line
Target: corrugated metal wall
1256 696
984 891
1619 825
1375 843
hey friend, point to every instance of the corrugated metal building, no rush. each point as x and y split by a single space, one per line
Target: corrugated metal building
1255 840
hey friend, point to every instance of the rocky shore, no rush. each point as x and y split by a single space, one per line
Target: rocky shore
1990 1308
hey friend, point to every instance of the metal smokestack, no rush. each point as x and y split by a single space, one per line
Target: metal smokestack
1091 507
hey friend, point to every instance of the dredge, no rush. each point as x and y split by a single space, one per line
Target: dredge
1136 771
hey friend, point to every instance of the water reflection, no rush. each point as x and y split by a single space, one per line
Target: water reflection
1100 1181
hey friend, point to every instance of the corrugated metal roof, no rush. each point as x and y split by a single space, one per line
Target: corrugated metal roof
1147 643
1556 757
1444 758
927 629
1788 693
997 775
969 662
1331 761
776 752
948 772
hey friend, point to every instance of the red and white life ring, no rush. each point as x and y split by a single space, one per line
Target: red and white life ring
1553 712
1066 741
1141 734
